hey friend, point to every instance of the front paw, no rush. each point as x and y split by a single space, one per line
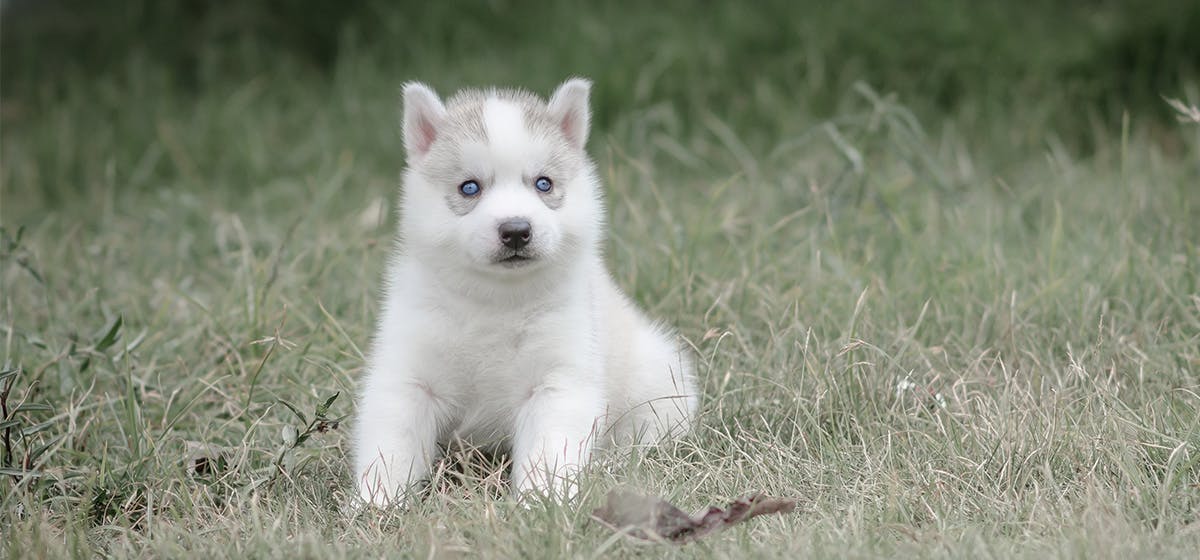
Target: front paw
380 488
375 498
534 484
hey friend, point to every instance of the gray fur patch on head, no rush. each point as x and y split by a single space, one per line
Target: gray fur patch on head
465 124
554 198
459 204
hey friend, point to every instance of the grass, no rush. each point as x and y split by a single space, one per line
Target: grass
948 330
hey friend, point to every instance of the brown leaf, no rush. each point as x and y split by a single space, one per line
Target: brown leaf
654 519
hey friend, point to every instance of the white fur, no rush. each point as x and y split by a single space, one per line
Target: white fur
548 359
507 137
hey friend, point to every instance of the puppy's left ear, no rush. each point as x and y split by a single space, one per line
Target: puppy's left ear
569 108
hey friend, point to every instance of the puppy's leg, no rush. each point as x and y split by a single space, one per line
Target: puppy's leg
554 438
660 388
397 439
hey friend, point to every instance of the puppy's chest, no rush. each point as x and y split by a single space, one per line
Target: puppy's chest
497 357
485 366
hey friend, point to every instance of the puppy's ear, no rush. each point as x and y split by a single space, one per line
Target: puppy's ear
569 108
424 116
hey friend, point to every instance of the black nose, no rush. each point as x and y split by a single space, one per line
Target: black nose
515 234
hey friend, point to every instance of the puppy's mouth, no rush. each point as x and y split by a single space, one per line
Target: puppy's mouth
514 260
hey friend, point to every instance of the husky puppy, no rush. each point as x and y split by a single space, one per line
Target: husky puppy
500 324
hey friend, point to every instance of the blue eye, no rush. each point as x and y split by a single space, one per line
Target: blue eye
543 184
469 188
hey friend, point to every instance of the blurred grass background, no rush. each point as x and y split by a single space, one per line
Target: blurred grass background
1061 71
939 260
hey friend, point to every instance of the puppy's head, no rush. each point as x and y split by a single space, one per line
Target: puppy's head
498 181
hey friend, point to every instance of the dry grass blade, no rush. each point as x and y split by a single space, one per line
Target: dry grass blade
1187 113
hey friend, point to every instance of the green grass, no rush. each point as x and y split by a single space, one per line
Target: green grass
948 329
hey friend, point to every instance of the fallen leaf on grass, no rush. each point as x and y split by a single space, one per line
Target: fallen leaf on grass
653 519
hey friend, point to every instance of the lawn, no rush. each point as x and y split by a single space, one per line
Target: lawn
941 273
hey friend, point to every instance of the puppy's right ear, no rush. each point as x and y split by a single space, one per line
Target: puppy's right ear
424 116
